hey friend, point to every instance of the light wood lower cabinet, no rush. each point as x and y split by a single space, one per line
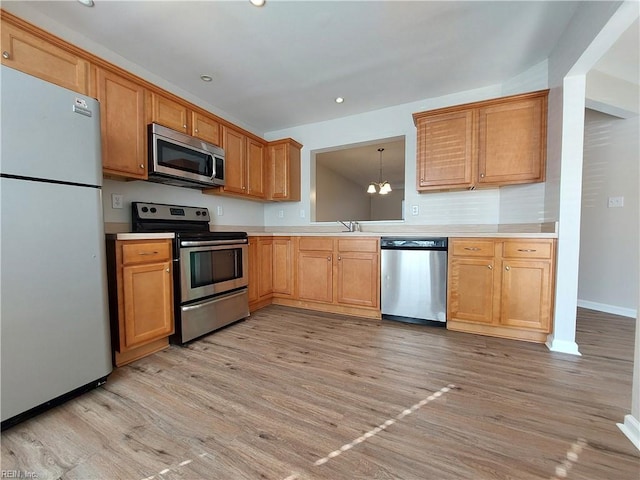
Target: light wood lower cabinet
501 287
140 297
336 274
260 271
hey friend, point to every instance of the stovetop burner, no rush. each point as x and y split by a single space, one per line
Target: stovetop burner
185 222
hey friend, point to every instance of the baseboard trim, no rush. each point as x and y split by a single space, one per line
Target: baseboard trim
613 309
631 428
562 346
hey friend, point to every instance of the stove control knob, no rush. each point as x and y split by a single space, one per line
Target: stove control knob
153 210
145 209
198 213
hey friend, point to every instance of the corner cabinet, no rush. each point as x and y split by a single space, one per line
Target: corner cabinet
284 170
492 143
140 297
501 287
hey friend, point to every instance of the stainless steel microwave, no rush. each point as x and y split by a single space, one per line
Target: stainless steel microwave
182 160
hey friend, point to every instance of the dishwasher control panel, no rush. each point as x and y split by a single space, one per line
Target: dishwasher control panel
404 243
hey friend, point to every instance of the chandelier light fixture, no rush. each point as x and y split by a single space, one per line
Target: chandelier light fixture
382 187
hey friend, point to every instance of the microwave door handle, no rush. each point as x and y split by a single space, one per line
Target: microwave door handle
212 167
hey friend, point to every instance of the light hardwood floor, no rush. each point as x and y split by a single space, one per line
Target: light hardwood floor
291 394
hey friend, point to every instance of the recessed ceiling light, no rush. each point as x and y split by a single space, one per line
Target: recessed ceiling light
339 99
86 3
206 78
257 3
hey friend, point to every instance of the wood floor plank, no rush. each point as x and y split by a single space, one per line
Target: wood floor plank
269 397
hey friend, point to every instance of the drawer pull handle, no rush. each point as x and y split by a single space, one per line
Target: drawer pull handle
473 249
148 253
528 250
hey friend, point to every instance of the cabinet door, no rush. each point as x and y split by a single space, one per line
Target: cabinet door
284 171
169 113
122 125
446 150
234 147
255 168
471 289
512 142
253 270
358 275
265 259
148 303
526 294
33 55
315 276
282 266
205 128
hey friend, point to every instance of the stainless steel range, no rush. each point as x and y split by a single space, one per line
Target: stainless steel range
211 272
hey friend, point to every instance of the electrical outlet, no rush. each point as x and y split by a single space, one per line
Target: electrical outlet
615 202
415 210
117 200
219 210
280 213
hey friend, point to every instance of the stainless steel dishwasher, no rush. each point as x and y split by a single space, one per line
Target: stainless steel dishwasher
414 279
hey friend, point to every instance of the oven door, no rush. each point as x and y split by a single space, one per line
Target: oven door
210 267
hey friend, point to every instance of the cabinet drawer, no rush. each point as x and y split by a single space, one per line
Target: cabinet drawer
472 248
527 249
358 245
316 243
147 252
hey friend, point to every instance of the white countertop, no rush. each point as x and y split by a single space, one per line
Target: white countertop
140 236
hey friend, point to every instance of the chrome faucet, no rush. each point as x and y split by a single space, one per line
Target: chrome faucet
352 226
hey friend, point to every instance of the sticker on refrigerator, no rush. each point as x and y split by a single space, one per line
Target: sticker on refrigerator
81 107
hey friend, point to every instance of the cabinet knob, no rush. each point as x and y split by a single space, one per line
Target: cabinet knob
339 258
197 131
507 268
6 55
184 126
482 175
142 166
328 259
490 267
167 270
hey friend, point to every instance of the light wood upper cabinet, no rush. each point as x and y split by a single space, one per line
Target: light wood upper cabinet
169 113
256 164
24 49
234 144
205 128
512 141
491 143
122 124
284 170
501 287
244 165
446 152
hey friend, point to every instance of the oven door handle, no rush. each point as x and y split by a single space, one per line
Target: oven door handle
212 301
211 243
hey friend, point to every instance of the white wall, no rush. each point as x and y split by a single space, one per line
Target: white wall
234 211
590 33
608 276
339 198
440 208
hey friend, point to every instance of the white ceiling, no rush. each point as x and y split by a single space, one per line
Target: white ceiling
283 64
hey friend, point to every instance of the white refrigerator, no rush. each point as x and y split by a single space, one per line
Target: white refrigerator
54 323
